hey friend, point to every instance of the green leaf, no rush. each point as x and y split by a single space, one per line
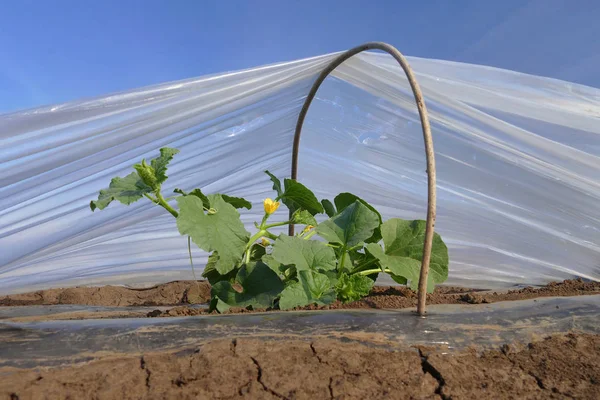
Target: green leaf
275 265
198 193
257 252
346 199
297 196
260 287
312 287
237 202
212 274
403 241
328 207
332 275
366 261
303 217
399 279
353 287
159 164
276 184
303 254
217 304
125 190
351 226
222 231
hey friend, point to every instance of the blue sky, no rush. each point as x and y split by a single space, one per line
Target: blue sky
56 51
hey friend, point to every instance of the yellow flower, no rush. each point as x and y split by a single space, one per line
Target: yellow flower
270 206
265 242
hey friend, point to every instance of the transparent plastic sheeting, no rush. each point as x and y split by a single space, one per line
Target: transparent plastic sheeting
32 344
518 166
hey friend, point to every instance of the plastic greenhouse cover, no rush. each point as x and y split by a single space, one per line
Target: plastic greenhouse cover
518 165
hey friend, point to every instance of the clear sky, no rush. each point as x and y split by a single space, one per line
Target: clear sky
59 50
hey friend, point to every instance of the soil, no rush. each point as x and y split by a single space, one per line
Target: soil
115 296
558 367
396 297
178 294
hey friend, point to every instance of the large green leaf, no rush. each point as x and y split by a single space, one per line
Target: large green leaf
297 196
328 207
353 225
404 267
353 287
303 217
346 199
196 192
275 265
125 190
276 184
303 254
159 164
221 231
312 287
237 202
403 242
260 287
212 274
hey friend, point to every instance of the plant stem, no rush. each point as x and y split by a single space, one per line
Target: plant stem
341 266
270 235
255 237
310 234
152 199
375 271
192 264
275 224
161 201
364 265
264 221
358 246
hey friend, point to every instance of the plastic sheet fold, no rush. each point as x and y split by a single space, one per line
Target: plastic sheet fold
518 165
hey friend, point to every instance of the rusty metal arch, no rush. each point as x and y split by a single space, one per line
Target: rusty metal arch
429 154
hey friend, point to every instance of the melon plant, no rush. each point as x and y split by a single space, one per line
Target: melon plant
337 259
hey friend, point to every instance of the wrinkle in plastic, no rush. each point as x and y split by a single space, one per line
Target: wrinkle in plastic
518 165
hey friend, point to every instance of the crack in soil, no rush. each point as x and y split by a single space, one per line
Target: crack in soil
312 347
331 387
505 349
259 380
428 368
148 373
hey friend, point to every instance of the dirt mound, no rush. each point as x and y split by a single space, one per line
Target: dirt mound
566 366
166 294
395 297
182 292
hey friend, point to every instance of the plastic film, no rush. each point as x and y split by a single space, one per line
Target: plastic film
518 161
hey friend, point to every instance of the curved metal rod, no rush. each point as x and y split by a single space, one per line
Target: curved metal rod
431 197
